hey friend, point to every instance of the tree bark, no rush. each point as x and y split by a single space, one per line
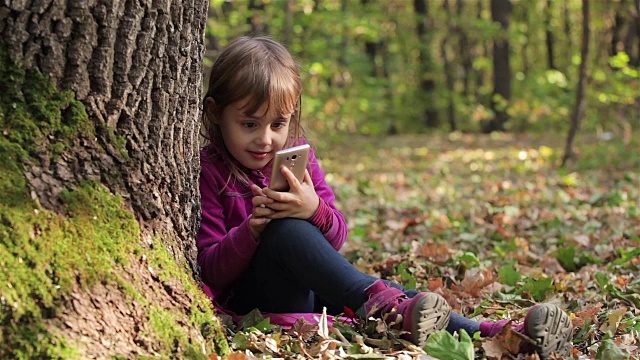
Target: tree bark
138 71
464 48
137 68
255 20
549 37
288 23
580 107
635 59
448 72
567 36
500 13
426 74
616 31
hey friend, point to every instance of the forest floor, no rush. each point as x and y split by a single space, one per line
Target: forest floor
492 224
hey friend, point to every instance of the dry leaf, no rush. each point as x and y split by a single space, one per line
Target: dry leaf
493 350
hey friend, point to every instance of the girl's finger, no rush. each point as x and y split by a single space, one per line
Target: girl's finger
291 178
307 177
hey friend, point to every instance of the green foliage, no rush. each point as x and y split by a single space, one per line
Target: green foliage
509 275
444 346
610 351
349 90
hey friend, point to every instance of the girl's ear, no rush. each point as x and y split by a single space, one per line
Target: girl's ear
210 109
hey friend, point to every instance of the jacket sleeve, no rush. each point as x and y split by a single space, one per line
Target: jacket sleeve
336 235
222 255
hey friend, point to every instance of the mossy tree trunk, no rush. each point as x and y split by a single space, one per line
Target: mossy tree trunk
135 71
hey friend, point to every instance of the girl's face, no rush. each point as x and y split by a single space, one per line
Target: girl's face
253 139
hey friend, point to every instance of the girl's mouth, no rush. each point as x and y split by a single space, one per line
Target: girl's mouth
259 155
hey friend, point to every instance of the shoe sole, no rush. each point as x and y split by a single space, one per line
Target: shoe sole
432 313
551 329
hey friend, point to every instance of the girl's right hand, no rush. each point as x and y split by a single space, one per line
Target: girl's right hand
259 218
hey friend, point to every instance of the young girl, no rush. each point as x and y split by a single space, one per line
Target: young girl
278 251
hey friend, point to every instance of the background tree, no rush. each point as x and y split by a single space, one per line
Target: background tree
549 36
581 105
425 64
500 13
99 146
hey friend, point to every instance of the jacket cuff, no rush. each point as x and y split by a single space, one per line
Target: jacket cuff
323 218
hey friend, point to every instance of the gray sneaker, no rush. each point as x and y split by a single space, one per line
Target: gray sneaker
422 315
550 328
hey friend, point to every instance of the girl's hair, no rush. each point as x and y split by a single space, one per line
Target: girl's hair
258 69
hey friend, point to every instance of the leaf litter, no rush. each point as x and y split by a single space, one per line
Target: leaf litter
493 225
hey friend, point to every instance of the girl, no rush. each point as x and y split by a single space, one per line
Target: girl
278 251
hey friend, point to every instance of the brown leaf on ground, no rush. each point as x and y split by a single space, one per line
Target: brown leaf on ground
475 280
493 350
551 265
303 329
438 254
511 340
588 312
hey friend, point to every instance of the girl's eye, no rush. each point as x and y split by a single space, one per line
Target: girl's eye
250 124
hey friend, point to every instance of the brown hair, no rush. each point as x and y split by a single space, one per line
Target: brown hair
261 70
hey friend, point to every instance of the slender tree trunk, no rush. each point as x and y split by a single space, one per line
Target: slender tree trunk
568 41
136 68
635 59
616 31
482 53
580 107
426 73
464 49
448 71
522 16
344 42
549 36
287 35
255 20
500 13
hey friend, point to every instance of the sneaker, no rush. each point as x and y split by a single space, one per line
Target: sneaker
546 324
420 316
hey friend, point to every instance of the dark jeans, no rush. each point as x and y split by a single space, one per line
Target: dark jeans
295 270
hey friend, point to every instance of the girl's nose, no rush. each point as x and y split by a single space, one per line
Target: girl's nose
264 138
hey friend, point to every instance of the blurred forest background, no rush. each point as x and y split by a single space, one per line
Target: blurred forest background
417 66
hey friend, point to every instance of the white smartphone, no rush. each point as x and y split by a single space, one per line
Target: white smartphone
294 158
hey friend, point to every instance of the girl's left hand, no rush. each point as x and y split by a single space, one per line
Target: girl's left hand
301 201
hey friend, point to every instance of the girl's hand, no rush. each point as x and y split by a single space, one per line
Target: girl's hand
259 218
301 201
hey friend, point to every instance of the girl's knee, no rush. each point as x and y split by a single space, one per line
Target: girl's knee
289 230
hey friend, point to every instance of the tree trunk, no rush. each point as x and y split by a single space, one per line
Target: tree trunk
500 13
549 36
255 20
568 40
616 32
483 52
134 72
580 107
448 72
635 59
464 48
425 66
288 23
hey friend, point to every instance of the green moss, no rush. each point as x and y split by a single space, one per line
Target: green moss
49 254
200 315
33 112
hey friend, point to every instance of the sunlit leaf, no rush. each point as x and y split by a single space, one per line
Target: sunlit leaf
445 346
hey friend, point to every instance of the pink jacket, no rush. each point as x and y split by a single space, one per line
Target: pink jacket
225 242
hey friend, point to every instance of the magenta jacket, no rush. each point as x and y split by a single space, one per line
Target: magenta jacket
225 242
